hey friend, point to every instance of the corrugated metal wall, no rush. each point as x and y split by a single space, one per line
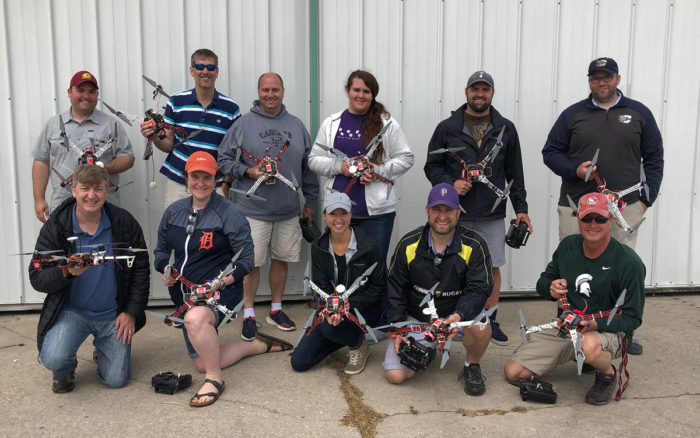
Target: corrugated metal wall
421 52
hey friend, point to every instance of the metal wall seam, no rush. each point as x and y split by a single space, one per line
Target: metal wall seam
594 34
268 58
516 106
401 59
440 58
480 56
361 36
553 201
630 46
694 198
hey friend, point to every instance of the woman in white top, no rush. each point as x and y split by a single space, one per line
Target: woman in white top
350 132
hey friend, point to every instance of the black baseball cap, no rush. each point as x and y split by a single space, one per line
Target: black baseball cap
605 64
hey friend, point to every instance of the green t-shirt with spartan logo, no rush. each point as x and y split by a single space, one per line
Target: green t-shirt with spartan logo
595 284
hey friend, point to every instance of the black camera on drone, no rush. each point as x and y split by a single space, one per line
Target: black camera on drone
415 356
517 236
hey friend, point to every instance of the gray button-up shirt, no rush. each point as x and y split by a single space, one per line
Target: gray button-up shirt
95 130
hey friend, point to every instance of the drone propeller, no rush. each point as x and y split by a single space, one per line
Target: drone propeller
633 229
572 204
167 318
333 151
377 139
579 352
447 149
620 301
362 321
294 180
307 271
250 196
58 174
51 251
171 262
188 137
116 188
428 296
446 353
117 113
395 325
593 163
643 179
306 326
64 136
523 327
364 275
506 191
158 87
130 249
235 310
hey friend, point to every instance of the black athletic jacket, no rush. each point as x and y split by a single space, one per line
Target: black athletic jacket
132 283
464 273
367 299
626 134
508 164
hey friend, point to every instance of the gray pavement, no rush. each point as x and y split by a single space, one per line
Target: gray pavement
264 397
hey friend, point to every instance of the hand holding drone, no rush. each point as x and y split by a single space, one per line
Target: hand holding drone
200 294
267 167
337 303
361 166
479 172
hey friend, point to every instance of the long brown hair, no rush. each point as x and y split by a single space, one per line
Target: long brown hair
372 121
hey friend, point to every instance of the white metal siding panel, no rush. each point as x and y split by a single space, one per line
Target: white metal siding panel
421 52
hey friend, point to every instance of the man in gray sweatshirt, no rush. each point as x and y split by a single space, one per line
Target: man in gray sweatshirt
273 208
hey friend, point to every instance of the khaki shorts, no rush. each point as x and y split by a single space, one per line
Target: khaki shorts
633 213
544 351
281 239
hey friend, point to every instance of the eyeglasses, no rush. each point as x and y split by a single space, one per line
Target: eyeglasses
596 79
598 219
191 220
200 67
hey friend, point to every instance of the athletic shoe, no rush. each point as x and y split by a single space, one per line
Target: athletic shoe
65 385
357 359
280 320
497 335
634 347
249 329
474 381
602 388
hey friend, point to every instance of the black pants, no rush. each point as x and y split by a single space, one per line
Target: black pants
324 340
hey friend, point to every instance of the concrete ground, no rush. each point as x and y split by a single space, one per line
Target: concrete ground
264 397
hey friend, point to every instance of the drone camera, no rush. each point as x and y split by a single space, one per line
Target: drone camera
415 355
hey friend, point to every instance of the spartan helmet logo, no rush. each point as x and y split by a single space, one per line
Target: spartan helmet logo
582 284
601 62
443 192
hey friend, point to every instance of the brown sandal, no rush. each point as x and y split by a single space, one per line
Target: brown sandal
217 385
272 341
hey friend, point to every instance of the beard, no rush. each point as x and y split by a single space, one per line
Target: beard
478 108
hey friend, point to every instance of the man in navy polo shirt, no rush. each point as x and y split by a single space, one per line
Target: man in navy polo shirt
201 107
107 301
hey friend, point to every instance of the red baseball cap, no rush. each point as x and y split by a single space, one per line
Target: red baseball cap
593 203
203 161
82 77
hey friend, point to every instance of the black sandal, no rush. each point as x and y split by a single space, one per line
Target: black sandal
217 385
272 341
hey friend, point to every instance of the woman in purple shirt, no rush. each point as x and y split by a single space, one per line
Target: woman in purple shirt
345 137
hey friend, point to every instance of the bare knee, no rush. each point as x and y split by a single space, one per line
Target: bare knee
514 371
396 376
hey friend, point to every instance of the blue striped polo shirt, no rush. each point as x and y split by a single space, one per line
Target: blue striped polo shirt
185 110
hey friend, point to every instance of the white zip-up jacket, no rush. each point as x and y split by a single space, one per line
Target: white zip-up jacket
398 158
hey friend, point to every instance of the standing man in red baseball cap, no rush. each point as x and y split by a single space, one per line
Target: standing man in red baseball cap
84 127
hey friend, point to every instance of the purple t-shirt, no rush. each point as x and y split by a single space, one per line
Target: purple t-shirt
349 141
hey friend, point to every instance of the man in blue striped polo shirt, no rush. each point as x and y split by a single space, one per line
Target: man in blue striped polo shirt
201 107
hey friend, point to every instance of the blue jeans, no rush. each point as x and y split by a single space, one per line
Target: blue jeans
379 229
324 340
58 353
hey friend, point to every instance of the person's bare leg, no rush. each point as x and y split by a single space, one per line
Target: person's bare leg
515 372
496 291
476 341
398 376
202 334
250 287
277 277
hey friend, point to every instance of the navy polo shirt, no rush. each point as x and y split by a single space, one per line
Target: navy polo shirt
93 294
184 110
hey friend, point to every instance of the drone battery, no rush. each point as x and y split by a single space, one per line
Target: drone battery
538 394
517 236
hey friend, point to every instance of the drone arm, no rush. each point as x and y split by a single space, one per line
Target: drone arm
230 162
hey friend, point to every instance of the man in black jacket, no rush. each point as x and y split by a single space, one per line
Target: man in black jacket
105 300
475 127
448 252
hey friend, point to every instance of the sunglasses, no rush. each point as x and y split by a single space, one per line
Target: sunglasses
200 67
598 219
191 220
